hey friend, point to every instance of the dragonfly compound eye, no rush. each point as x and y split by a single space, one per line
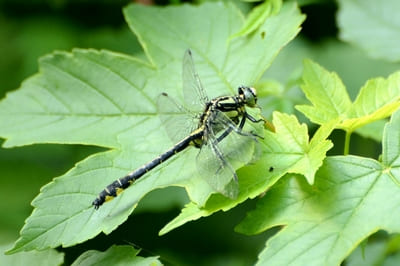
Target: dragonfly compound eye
250 96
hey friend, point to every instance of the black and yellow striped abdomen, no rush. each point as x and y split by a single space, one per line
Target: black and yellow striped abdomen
120 184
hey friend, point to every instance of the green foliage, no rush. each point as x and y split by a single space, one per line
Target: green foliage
48 257
371 25
115 255
326 221
286 151
377 99
327 205
257 17
121 110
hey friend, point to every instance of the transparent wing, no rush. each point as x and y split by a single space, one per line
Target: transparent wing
218 158
238 146
177 120
217 171
193 91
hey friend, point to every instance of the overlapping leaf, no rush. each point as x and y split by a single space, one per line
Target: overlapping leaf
115 255
326 92
287 150
257 17
325 222
108 99
377 99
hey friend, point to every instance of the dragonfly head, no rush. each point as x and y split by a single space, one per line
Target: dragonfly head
249 95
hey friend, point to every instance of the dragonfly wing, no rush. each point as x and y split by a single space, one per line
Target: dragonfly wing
193 91
217 171
238 145
220 157
177 120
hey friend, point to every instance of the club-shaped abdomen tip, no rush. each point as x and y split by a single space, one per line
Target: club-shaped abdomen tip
97 203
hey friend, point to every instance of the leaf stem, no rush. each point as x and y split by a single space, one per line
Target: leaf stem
347 143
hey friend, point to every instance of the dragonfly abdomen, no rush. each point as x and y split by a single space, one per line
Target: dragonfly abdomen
122 183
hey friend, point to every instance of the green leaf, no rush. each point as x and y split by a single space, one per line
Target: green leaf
371 25
48 257
306 156
377 99
257 16
108 99
323 223
286 151
213 55
67 101
115 255
326 92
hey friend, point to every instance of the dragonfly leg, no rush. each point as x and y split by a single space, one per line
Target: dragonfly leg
239 130
252 119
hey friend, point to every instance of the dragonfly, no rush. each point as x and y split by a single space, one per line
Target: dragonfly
220 117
